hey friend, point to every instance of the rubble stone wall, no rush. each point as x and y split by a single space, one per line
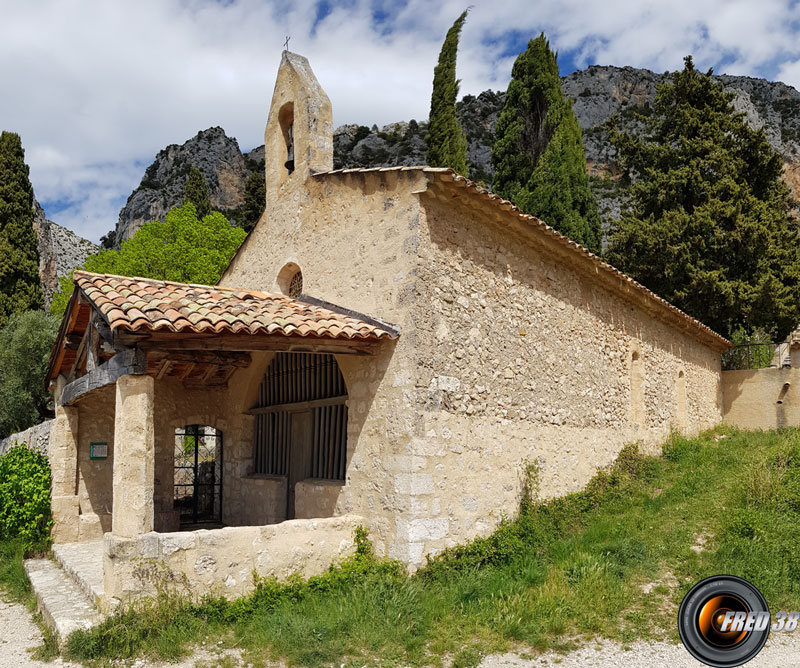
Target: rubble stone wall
524 359
36 438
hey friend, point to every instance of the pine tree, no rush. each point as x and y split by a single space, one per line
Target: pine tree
20 289
196 192
538 154
447 146
709 226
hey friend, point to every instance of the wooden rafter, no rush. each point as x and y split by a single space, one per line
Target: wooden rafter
165 366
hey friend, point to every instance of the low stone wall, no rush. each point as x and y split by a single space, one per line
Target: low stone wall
221 562
36 438
316 498
255 501
761 398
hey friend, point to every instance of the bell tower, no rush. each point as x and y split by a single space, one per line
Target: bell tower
298 139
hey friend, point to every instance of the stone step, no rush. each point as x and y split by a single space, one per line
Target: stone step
84 563
61 601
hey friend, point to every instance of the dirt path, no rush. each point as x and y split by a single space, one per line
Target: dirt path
781 650
19 634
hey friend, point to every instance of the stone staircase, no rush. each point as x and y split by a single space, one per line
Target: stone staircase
68 590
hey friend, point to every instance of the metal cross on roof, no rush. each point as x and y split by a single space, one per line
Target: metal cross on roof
286 43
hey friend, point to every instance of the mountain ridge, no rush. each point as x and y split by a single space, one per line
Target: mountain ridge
597 93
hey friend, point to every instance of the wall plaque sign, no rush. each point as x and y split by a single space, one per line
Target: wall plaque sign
98 451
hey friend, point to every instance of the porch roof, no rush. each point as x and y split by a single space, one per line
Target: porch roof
169 316
136 304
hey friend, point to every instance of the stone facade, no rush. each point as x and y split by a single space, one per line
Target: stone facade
523 358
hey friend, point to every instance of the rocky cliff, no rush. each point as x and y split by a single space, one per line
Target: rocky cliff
60 251
597 93
213 153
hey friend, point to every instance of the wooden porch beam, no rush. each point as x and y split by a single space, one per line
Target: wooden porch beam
126 362
215 357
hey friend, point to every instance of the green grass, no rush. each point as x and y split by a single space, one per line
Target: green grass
561 572
13 580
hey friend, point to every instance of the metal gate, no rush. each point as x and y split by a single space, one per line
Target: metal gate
198 475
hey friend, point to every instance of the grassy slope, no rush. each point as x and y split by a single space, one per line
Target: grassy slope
563 570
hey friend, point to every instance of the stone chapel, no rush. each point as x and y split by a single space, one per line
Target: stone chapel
389 348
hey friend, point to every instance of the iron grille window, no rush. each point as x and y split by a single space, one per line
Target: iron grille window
296 285
296 382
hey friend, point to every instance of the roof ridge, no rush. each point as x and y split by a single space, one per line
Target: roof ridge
266 295
392 168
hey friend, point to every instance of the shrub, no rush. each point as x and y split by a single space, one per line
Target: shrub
25 496
749 351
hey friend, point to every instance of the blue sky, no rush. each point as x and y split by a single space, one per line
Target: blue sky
96 88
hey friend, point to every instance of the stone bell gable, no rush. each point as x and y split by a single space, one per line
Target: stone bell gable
298 139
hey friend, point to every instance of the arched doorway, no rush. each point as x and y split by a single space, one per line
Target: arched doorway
198 475
301 421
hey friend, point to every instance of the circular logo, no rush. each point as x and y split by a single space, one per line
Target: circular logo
724 621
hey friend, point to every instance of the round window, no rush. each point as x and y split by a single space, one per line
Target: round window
290 280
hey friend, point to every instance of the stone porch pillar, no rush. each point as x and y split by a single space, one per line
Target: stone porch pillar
134 452
63 456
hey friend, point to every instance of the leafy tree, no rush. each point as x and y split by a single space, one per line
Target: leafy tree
25 344
255 199
20 289
749 351
196 192
709 226
447 146
182 248
538 155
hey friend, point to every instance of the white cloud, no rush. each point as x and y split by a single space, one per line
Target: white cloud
94 87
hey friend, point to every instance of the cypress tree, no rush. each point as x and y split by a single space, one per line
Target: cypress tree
255 199
538 154
447 146
20 289
709 226
196 192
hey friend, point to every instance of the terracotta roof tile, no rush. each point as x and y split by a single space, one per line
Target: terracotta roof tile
140 304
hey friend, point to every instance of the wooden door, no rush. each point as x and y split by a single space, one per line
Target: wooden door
299 456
